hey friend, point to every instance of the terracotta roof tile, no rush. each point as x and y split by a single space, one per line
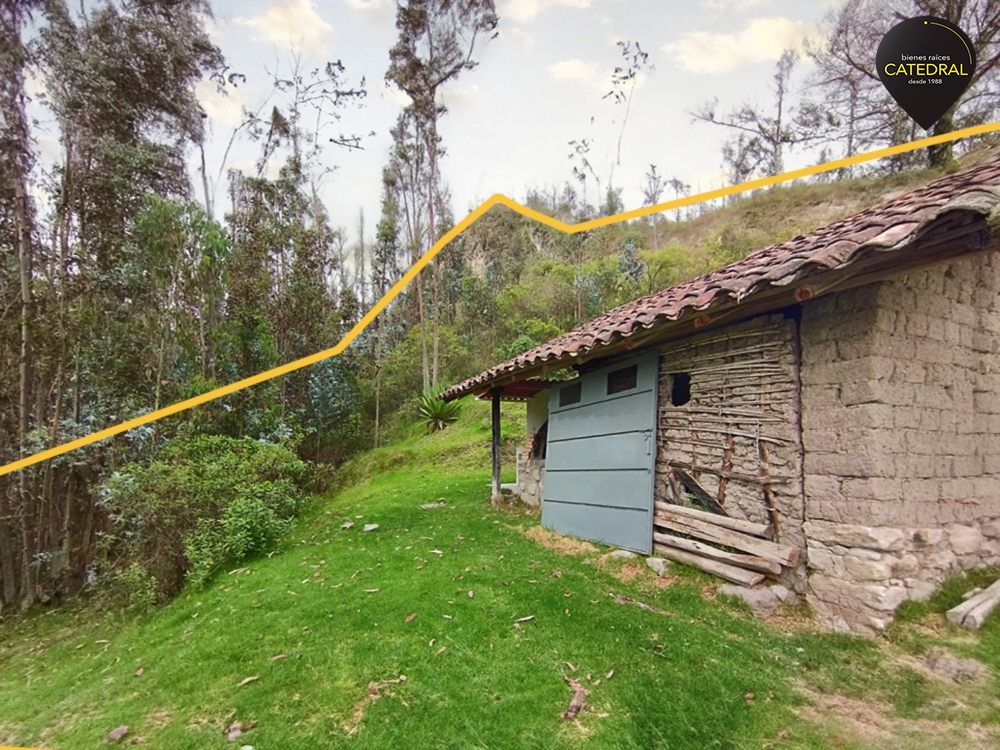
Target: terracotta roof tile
889 226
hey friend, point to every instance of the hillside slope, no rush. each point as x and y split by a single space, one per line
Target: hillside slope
310 645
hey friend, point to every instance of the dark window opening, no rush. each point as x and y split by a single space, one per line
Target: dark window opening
571 394
538 445
680 389
623 380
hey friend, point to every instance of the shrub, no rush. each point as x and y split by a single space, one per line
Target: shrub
437 413
205 502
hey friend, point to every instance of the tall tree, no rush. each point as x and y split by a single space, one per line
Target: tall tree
762 135
848 85
436 43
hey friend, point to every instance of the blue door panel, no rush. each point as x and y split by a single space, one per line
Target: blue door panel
600 458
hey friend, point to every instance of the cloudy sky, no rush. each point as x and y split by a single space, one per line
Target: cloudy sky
538 85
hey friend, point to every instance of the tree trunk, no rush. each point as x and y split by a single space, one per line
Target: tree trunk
941 154
27 500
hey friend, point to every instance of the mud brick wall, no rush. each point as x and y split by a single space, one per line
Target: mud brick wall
901 433
738 435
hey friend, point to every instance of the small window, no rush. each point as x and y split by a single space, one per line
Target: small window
680 389
623 380
571 394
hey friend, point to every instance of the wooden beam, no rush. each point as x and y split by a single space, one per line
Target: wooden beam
730 572
750 562
781 554
496 442
728 522
972 613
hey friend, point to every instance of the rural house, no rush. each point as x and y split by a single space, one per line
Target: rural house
824 412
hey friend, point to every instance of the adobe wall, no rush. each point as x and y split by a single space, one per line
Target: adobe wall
531 471
901 433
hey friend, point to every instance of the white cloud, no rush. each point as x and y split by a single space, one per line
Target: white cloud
523 11
394 94
457 96
223 107
249 167
211 26
34 82
591 75
380 10
520 37
293 24
732 6
762 40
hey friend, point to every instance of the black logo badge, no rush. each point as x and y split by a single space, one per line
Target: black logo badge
926 64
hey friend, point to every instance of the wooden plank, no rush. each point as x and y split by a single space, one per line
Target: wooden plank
729 572
781 554
750 562
699 493
728 522
496 442
972 613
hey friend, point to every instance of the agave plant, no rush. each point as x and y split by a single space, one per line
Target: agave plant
439 414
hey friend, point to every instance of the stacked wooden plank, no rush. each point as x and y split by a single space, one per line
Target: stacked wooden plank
972 613
697 538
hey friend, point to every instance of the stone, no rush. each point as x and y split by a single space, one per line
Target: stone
784 594
762 602
658 565
622 554
991 529
371 526
867 570
881 538
919 591
952 668
964 540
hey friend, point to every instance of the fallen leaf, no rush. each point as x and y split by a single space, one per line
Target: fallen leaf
370 591
472 594
525 619
597 681
447 617
410 617
609 675
437 552
279 657
347 525
590 676
431 644
317 574
749 697
102 641
568 593
557 574
117 733
139 671
248 680
571 667
440 651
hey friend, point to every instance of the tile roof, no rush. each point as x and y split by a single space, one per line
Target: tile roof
888 227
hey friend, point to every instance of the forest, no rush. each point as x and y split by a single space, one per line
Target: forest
123 291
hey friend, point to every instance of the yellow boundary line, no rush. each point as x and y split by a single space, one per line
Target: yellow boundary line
458 229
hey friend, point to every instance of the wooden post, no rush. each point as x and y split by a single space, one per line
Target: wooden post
496 443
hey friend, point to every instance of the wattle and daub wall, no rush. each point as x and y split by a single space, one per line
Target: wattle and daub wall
871 427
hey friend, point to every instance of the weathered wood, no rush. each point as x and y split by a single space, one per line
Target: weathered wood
781 554
749 478
728 522
750 562
972 613
699 493
729 572
496 441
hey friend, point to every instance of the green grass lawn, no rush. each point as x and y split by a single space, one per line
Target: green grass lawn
296 641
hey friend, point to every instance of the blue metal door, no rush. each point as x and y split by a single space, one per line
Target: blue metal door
601 455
